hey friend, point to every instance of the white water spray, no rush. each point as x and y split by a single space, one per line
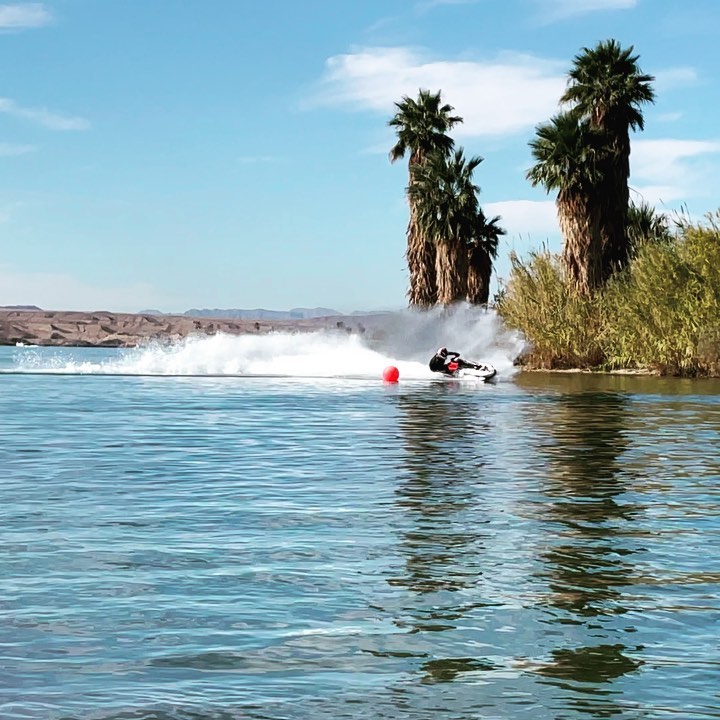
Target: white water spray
407 340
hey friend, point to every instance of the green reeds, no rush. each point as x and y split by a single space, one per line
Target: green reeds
662 313
665 311
562 328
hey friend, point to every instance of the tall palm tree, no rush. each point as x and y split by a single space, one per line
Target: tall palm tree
446 204
567 154
421 128
606 88
482 250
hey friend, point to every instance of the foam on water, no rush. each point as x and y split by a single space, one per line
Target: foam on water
406 340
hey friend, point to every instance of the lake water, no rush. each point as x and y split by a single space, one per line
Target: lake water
183 548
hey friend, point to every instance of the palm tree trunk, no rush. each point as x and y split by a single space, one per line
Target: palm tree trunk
478 278
420 257
420 254
615 197
615 251
451 271
583 241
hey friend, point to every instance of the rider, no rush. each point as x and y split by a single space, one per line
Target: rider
448 362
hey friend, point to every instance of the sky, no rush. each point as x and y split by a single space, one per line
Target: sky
234 153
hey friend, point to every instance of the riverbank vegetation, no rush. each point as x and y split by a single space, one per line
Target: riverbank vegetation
661 313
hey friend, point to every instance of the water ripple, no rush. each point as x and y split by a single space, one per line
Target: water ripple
178 549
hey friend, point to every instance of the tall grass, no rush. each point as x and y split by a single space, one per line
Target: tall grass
665 312
563 329
661 313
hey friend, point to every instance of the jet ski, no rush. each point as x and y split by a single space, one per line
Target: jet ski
451 365
482 371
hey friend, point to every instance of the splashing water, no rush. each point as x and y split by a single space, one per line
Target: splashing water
406 339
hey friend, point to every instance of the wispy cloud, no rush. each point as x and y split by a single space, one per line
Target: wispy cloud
534 218
61 291
12 150
257 159
561 9
669 170
497 97
42 116
425 5
669 117
26 15
675 77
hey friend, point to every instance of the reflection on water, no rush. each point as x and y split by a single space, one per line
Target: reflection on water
437 495
588 564
177 550
587 561
599 663
443 472
449 669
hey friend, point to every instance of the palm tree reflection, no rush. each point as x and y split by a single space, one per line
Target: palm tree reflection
588 566
437 495
586 563
443 542
600 663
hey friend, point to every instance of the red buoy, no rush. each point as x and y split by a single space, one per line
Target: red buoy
391 374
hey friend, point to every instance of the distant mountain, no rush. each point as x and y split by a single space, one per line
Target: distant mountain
20 307
366 313
261 314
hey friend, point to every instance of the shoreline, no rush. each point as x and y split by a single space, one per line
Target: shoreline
644 372
103 329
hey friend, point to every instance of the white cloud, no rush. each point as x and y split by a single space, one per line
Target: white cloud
430 4
675 77
58 291
7 210
669 117
531 218
12 150
42 116
500 97
27 15
561 9
669 170
257 159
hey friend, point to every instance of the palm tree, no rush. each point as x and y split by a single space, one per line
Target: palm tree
566 154
446 204
421 127
482 250
646 225
607 88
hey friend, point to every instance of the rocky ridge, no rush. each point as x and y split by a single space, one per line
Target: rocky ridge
108 329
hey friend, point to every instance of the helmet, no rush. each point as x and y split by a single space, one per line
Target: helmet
442 351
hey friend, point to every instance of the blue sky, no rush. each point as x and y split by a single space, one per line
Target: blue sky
229 153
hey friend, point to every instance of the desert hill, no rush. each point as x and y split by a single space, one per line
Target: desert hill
108 329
